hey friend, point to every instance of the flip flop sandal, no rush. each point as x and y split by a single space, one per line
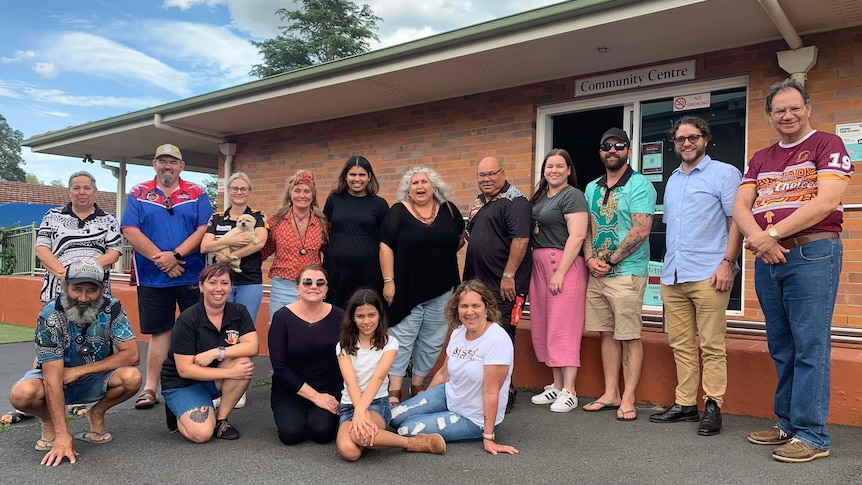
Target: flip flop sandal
89 435
77 409
46 447
147 399
16 416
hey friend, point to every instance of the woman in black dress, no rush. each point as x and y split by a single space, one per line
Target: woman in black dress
355 214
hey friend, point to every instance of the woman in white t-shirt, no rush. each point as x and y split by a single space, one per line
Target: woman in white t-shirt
365 354
479 355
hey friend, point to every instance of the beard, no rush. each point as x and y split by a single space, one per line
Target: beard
167 178
78 315
614 165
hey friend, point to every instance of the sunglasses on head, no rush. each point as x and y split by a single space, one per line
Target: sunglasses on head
306 282
619 146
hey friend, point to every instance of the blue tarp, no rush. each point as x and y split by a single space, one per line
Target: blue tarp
23 214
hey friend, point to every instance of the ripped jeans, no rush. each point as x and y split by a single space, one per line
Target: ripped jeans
427 413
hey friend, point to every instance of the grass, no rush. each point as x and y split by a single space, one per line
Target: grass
10 333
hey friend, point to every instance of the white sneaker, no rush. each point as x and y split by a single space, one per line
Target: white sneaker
565 402
239 405
548 396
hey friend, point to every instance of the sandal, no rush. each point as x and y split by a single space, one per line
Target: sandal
147 399
394 397
414 389
48 444
77 409
14 416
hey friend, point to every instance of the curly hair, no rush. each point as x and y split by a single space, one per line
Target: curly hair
441 190
492 312
350 332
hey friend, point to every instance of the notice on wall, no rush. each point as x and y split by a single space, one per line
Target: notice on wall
692 101
652 294
851 134
651 160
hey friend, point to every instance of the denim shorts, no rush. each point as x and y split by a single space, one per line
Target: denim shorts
183 399
87 389
379 406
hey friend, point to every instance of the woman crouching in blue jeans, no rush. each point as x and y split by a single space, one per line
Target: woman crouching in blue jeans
479 357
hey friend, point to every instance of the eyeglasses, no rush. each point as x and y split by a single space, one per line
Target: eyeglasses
482 175
306 282
779 113
680 140
620 146
241 190
169 206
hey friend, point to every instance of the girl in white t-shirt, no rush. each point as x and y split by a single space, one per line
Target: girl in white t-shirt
365 355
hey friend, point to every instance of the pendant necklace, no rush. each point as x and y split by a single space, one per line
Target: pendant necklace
424 220
301 236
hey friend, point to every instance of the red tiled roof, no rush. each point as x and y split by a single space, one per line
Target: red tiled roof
21 192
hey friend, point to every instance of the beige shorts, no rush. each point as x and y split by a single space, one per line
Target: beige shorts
614 305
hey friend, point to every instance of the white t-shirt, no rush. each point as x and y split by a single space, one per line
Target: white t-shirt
365 362
467 361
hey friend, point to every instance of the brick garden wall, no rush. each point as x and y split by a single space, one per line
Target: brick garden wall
452 135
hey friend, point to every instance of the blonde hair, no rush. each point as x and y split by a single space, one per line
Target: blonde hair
301 177
240 175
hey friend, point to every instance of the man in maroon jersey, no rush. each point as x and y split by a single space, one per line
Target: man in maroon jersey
789 208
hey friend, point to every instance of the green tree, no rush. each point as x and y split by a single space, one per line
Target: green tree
210 185
31 178
322 31
10 153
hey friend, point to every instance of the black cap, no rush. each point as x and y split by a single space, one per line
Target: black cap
616 133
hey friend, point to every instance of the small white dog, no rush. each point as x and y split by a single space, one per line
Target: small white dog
244 224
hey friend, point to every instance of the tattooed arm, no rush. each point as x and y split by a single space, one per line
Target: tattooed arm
641 227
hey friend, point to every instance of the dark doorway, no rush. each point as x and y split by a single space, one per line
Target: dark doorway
580 134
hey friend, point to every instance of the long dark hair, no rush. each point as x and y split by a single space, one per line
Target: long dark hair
363 163
350 333
542 186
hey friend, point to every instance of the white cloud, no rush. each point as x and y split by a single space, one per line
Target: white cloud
56 96
46 69
216 55
95 55
403 35
18 56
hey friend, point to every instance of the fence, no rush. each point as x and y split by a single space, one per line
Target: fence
16 250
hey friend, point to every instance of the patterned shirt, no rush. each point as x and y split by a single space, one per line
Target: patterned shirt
70 238
287 246
786 177
57 338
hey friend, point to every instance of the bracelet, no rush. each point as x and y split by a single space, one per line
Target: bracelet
388 280
489 437
509 276
732 262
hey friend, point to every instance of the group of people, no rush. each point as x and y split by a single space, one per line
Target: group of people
361 290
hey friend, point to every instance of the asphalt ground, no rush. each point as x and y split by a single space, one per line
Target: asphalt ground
571 448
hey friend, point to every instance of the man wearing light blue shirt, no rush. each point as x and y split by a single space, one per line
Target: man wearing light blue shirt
703 244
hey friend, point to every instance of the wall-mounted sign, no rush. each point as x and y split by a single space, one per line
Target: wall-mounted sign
851 134
651 160
636 78
692 101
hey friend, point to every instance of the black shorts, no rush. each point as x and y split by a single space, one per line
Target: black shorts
157 307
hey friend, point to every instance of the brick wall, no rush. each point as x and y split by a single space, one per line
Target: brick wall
452 135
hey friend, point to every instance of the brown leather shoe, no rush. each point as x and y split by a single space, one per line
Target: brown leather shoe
772 436
394 397
427 443
796 451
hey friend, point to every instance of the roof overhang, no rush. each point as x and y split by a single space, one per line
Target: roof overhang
553 42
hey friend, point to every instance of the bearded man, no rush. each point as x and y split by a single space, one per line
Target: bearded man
86 351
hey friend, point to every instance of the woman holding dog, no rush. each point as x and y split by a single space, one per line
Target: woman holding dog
355 213
248 283
298 234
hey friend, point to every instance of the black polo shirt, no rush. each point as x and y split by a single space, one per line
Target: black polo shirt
219 225
194 333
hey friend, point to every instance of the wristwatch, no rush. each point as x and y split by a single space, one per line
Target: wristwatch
178 256
773 233
490 437
508 276
220 354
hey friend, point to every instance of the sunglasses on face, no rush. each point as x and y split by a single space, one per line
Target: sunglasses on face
606 147
306 282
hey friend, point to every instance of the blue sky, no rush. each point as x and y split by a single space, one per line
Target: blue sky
67 62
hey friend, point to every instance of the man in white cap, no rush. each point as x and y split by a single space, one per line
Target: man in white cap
76 362
165 220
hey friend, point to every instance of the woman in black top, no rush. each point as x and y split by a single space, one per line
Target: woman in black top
306 380
418 244
211 346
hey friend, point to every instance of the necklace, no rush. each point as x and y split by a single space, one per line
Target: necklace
301 236
424 220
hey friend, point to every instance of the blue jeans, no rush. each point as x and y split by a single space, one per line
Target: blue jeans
422 334
281 293
797 299
427 413
249 296
380 406
87 389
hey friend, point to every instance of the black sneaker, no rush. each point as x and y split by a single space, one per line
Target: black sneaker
225 431
513 394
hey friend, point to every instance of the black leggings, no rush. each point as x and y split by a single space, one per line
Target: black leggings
298 420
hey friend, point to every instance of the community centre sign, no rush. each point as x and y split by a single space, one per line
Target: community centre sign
636 78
